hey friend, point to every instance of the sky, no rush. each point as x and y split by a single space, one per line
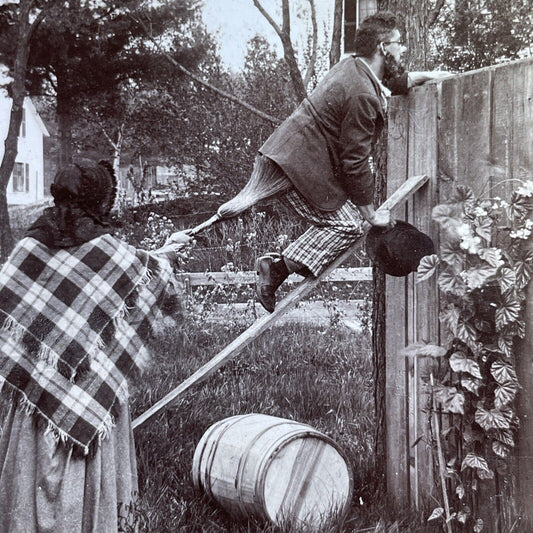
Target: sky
235 22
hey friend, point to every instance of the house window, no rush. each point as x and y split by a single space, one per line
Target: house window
21 177
23 124
354 12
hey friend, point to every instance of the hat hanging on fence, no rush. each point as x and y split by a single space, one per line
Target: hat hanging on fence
397 251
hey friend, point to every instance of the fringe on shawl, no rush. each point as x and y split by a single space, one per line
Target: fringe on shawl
43 424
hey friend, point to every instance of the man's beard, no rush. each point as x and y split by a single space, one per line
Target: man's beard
392 68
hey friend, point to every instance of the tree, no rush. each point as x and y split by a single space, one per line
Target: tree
478 34
284 32
88 49
19 18
335 51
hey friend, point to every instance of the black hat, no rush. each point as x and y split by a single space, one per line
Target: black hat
397 251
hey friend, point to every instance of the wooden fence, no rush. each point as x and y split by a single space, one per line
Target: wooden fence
474 129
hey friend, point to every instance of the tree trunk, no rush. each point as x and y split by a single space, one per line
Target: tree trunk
379 323
284 34
11 142
64 121
415 15
418 17
335 50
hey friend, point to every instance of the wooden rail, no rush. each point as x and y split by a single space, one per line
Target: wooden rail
195 279
262 324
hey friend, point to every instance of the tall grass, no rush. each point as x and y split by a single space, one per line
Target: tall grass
319 376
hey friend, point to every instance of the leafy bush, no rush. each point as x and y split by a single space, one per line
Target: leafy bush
484 266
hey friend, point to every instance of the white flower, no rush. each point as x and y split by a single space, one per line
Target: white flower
464 230
526 189
522 233
470 243
480 212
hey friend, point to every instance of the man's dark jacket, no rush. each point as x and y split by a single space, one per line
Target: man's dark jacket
324 146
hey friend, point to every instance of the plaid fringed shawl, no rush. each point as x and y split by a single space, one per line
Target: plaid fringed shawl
73 326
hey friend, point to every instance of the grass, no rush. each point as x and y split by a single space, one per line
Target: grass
300 373
318 376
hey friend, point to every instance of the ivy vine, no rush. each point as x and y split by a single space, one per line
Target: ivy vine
483 268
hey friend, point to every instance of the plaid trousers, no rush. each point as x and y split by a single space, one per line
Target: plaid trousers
331 233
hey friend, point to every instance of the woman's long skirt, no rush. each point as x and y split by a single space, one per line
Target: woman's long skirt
44 488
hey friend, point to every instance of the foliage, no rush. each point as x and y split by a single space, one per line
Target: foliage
472 35
484 266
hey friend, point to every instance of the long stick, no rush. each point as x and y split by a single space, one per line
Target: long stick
263 323
440 456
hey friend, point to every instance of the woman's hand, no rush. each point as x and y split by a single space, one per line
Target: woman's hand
180 238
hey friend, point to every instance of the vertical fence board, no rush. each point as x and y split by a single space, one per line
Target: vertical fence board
522 162
396 429
474 127
502 132
423 306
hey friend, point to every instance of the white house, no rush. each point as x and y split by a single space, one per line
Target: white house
26 185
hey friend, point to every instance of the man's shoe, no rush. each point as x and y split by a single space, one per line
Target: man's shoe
271 273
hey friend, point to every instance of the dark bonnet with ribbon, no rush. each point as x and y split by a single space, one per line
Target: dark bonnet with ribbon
77 307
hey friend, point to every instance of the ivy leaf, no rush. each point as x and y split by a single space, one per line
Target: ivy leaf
477 277
460 363
492 256
438 512
452 283
453 255
517 208
507 312
466 332
500 449
505 344
478 526
460 491
450 317
462 516
504 435
427 267
448 216
471 384
522 273
450 399
503 372
479 464
485 475
505 394
506 279
493 419
483 228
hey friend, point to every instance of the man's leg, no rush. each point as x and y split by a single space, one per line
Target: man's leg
332 233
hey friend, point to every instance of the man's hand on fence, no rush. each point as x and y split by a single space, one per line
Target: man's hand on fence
418 78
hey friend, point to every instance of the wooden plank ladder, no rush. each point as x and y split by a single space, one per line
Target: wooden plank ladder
407 188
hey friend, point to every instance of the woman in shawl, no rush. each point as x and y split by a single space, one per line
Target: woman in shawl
76 309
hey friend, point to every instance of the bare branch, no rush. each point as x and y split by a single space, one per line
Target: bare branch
312 61
206 84
435 12
270 20
335 50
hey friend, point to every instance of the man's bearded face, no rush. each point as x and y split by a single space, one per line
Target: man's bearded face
393 68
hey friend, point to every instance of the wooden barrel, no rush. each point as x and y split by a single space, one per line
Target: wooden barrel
274 469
